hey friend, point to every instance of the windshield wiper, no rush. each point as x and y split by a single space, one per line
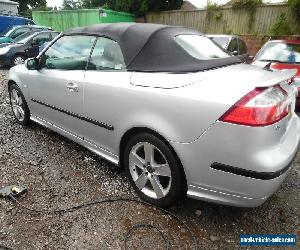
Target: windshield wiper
269 60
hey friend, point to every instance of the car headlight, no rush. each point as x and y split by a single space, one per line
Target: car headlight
4 50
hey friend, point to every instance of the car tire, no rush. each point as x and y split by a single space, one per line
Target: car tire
153 170
19 105
18 59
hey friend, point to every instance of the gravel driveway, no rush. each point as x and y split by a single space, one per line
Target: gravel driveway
60 173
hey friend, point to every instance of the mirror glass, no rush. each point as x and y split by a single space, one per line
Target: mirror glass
31 63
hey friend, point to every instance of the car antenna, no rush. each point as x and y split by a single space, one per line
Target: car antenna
267 67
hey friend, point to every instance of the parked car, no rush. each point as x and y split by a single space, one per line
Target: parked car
7 22
19 30
233 44
16 53
281 55
167 104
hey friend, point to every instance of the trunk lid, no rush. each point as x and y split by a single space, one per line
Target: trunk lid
202 98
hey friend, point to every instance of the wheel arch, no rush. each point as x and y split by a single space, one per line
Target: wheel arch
11 82
138 130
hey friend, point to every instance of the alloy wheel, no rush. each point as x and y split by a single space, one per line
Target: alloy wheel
19 60
17 105
150 170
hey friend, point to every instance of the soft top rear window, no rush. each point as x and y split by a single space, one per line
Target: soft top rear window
200 47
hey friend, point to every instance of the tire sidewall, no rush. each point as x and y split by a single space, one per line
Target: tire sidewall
178 185
24 105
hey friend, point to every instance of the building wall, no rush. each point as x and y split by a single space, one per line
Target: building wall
8 9
66 19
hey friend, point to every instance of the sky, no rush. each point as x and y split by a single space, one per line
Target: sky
197 3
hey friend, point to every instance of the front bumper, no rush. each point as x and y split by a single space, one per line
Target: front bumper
5 60
260 150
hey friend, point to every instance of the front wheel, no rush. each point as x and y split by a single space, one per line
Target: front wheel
18 105
153 170
18 60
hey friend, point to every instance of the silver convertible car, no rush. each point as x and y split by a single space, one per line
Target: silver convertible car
168 105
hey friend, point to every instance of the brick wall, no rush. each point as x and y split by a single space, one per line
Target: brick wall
254 43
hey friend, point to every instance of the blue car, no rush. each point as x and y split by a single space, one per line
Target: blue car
7 22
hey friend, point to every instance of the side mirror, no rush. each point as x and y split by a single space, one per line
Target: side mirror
235 53
31 64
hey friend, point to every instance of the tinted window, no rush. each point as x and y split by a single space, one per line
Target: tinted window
242 47
107 55
19 32
23 36
53 35
41 39
233 45
68 53
200 47
281 52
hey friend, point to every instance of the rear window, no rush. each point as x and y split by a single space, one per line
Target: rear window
280 52
200 47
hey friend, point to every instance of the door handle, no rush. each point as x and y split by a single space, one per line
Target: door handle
72 87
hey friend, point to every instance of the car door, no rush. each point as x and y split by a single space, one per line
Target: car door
233 47
106 83
56 89
35 43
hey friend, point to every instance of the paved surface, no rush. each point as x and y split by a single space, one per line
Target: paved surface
60 173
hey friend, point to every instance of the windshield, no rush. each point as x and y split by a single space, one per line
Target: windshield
221 40
280 52
10 32
200 47
25 39
20 38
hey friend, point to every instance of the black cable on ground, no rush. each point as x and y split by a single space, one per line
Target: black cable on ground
118 199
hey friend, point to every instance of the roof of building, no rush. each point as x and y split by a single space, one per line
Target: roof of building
152 47
9 2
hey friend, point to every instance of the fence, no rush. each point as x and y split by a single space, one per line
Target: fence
229 20
66 19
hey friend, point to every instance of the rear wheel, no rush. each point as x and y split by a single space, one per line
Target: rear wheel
154 171
18 105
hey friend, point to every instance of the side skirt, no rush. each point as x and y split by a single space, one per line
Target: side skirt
102 152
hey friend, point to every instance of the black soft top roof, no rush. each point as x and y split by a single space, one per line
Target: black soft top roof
151 47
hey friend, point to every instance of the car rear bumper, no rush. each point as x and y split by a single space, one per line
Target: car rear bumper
240 165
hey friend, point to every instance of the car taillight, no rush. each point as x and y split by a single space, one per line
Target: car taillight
298 91
260 107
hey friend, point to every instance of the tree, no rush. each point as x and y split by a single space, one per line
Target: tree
295 6
24 5
92 3
140 7
71 4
